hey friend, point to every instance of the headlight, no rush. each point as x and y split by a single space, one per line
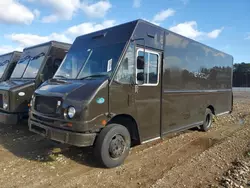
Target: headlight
71 112
5 106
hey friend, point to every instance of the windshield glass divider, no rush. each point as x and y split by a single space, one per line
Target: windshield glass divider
84 64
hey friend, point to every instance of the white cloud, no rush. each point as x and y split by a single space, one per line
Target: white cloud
62 9
37 13
96 10
26 40
89 27
152 22
50 19
137 3
66 9
6 49
215 33
60 37
163 15
13 12
190 30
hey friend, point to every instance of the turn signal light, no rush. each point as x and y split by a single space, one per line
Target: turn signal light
69 124
104 122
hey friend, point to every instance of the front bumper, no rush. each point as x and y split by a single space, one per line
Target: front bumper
63 136
6 118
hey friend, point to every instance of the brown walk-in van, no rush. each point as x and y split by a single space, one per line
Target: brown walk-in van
131 84
36 65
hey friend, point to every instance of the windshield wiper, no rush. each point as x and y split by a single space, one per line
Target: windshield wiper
60 76
24 59
38 56
91 76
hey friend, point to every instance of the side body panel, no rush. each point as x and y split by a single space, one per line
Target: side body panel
194 78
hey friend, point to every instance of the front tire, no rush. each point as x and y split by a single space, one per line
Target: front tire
207 123
112 145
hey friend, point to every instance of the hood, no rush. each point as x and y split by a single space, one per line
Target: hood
74 89
13 84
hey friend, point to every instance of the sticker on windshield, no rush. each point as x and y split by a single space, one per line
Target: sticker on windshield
109 67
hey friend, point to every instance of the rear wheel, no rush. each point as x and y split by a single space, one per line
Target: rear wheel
112 145
207 123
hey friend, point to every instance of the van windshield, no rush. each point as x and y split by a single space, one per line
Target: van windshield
30 62
20 67
4 61
82 61
34 66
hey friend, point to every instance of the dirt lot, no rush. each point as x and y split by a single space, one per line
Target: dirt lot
189 159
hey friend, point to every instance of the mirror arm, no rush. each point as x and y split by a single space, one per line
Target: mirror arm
133 82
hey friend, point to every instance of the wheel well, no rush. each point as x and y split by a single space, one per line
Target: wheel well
130 123
211 108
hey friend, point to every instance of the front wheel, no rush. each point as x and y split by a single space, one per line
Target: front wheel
207 123
112 145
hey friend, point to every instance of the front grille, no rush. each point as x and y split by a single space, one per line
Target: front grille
43 119
46 105
1 101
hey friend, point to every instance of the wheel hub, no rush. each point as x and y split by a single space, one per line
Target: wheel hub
117 146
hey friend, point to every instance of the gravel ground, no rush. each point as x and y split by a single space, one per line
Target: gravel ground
218 158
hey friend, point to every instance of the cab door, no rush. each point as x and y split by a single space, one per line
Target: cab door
148 92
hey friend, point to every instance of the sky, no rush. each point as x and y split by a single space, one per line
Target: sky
221 24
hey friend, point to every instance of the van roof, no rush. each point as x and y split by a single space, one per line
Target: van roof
14 52
52 43
136 22
147 22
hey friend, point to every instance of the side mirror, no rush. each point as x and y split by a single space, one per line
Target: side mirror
140 77
140 62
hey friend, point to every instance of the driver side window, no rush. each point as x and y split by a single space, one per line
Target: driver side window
126 71
147 68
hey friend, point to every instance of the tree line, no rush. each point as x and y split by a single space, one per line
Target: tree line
241 75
